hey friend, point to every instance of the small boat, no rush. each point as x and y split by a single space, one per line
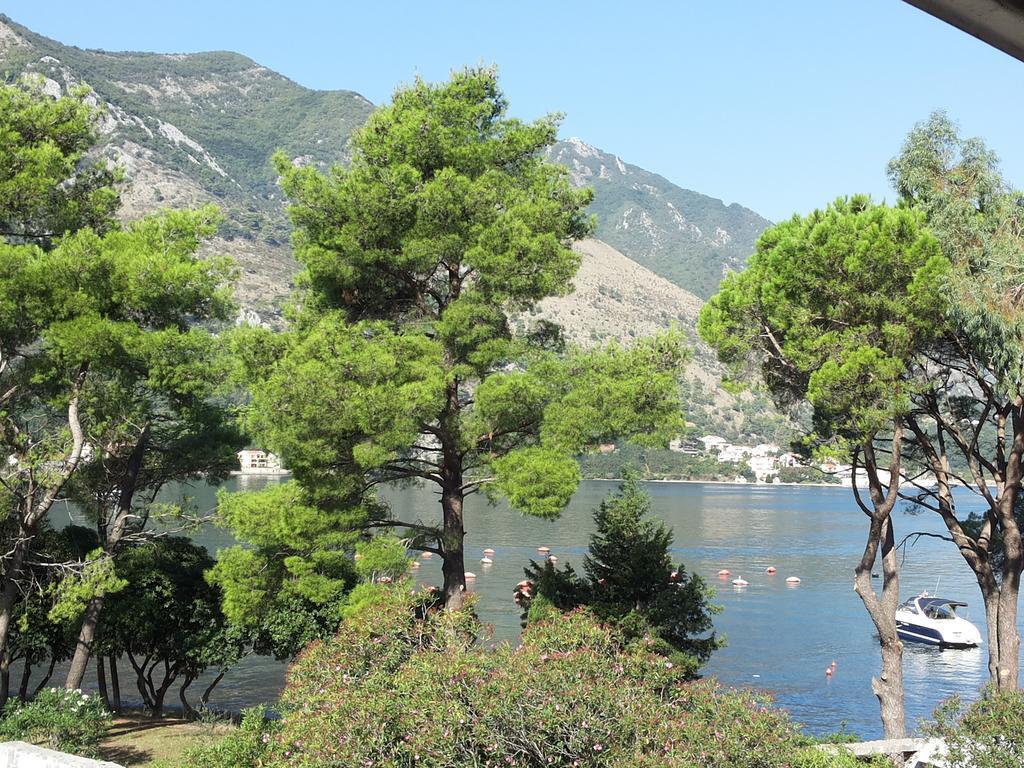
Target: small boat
933 621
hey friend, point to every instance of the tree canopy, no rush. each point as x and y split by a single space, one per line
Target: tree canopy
403 363
837 309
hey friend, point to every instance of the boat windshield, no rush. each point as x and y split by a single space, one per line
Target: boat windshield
938 611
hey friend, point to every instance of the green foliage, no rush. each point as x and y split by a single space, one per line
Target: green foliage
170 624
381 558
986 734
632 584
243 747
834 757
69 721
805 475
48 187
398 686
833 308
978 219
285 585
73 592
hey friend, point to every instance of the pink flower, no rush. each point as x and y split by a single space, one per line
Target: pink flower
598 747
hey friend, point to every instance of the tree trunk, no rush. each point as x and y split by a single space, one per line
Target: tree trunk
46 678
453 556
10 593
26 678
187 709
126 493
101 682
991 601
1008 670
115 683
205 698
5 681
888 686
83 649
1008 673
453 535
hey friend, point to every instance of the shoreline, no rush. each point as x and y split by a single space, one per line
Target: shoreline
721 482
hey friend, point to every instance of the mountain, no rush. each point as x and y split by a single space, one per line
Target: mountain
688 238
615 298
196 128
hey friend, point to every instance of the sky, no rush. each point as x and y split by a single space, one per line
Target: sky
779 106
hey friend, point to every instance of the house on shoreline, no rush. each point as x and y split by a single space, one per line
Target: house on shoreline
254 461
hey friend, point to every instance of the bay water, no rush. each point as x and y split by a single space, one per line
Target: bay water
780 637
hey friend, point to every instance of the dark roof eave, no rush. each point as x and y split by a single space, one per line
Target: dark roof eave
1000 23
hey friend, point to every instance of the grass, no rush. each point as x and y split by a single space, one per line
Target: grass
135 740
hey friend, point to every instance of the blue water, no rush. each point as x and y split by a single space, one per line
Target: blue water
780 638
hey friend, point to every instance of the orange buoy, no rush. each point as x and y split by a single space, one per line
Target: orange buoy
833 663
489 552
427 555
414 564
552 559
828 671
543 550
470 575
723 573
770 569
793 580
739 581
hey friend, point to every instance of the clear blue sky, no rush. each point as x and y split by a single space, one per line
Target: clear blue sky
780 106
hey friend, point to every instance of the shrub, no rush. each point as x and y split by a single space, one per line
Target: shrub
987 734
244 747
69 721
402 684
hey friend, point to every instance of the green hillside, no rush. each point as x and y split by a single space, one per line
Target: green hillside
684 236
235 110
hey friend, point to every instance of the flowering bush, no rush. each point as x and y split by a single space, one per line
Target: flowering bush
69 721
401 684
243 747
987 734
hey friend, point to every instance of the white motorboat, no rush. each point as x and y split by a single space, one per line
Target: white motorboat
934 621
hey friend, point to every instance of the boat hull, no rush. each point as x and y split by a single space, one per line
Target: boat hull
915 633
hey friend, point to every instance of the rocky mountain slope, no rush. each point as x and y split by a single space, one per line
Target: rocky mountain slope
194 128
684 236
615 298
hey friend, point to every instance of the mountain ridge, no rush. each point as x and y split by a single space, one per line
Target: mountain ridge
195 128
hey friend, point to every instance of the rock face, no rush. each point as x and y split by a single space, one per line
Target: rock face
691 239
614 298
190 129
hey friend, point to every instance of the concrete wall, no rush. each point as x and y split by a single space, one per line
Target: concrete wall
18 754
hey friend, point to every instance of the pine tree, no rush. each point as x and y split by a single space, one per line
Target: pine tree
632 583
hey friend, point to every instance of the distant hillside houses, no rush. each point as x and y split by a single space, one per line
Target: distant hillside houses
765 460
